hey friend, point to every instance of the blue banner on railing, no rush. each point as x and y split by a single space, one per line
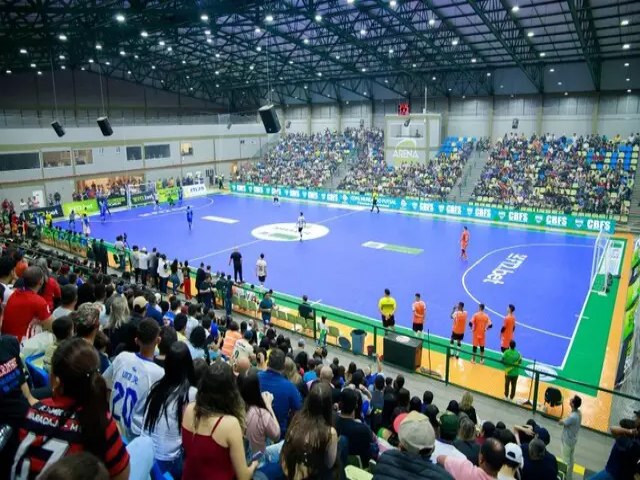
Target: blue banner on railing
500 215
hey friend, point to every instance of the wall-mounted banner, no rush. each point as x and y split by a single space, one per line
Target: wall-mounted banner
56 212
499 215
198 190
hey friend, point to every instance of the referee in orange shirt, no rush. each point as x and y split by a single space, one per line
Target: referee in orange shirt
508 327
480 323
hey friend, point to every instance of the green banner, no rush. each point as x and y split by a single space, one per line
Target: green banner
83 206
454 210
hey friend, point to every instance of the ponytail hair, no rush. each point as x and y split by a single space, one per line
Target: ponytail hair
75 362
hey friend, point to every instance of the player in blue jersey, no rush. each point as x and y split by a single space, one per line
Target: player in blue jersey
103 211
189 216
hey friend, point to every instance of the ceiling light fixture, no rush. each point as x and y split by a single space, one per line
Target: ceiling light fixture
23 51
98 46
161 43
305 41
107 63
414 65
543 54
337 57
207 32
153 67
488 74
33 65
473 60
364 70
318 18
8 72
257 30
39 72
120 18
393 3
217 72
386 81
501 86
259 48
552 70
251 67
136 57
128 72
433 78
566 93
449 89
390 51
169 49
269 18
350 2
626 64
628 90
530 34
454 42
62 37
363 31
144 34
290 62
432 21
91 60
217 55
624 23
628 79
559 83
209 40
319 74
204 17
626 46
82 68
61 57
515 9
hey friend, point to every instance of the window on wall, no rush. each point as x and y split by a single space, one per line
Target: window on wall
19 161
56 159
157 151
134 153
83 157
186 149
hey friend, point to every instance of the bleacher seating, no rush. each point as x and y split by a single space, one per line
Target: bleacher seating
584 176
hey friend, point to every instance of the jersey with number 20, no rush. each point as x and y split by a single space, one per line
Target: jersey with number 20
130 378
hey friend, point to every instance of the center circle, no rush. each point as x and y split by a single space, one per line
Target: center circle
288 232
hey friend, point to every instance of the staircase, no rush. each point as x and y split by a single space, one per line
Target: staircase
462 190
634 209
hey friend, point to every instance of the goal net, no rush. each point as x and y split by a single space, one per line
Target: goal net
602 264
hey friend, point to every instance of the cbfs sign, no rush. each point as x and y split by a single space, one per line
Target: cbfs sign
405 151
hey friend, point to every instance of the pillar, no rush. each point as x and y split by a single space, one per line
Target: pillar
595 115
539 112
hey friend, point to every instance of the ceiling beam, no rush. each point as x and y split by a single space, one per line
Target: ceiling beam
586 31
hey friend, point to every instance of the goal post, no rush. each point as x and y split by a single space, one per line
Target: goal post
602 263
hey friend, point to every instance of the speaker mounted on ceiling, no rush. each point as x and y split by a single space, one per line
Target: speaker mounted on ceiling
105 126
57 126
269 119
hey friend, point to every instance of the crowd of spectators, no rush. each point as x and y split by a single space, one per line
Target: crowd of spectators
300 160
555 172
433 179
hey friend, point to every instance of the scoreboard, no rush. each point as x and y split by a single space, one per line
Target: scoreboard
403 109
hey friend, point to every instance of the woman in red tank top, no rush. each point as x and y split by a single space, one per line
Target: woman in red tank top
212 429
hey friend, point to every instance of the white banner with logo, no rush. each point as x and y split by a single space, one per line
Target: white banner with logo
198 190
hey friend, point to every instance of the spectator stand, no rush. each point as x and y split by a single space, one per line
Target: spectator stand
560 176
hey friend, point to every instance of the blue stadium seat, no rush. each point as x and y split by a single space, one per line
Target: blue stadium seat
39 376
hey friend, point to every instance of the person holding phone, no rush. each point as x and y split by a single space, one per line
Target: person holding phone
262 423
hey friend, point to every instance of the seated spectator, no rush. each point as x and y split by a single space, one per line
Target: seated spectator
310 446
262 424
80 396
466 407
490 461
487 431
198 343
231 337
413 458
286 398
165 405
465 442
446 432
86 324
293 375
78 466
122 327
67 301
63 328
212 429
168 337
362 441
136 373
625 453
243 348
513 462
538 462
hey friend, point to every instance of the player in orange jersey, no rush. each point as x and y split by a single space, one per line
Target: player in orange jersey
480 323
508 327
459 316
464 243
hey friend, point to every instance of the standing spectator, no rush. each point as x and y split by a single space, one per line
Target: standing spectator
206 292
262 424
490 462
310 446
228 296
165 405
413 459
511 359
387 306
570 430
143 263
200 275
120 252
135 263
154 260
103 256
287 399
236 258
266 307
163 273
130 378
186 279
50 290
212 429
27 312
261 270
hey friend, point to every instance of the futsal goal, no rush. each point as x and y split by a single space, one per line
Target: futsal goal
604 263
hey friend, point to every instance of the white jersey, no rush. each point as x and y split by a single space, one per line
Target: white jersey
301 222
130 377
261 267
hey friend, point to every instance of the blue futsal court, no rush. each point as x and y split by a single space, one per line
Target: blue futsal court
357 254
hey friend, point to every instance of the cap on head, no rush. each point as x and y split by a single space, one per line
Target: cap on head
513 453
416 433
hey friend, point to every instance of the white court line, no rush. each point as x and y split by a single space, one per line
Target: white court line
253 242
316 302
519 323
213 218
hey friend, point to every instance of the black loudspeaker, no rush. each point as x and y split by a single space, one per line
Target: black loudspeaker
105 126
57 126
269 119
288 124
514 123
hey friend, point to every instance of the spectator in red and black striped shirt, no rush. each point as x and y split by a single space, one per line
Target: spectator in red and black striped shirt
75 419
